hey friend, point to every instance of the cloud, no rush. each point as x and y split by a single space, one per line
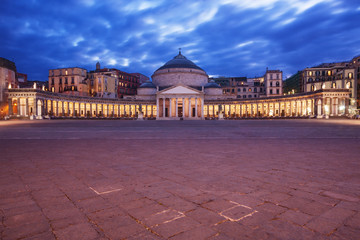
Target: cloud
224 37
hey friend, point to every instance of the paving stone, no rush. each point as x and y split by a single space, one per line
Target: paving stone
201 232
205 216
175 227
78 231
196 168
295 217
271 208
26 230
219 205
177 203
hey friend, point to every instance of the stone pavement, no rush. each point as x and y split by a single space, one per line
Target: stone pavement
254 179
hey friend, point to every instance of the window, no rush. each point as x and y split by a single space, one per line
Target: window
249 96
72 80
323 86
233 90
277 76
270 91
244 96
310 73
333 85
60 81
329 73
350 75
52 81
255 89
277 91
277 84
66 72
92 83
310 80
249 89
66 80
260 89
271 76
244 89
270 84
312 88
239 90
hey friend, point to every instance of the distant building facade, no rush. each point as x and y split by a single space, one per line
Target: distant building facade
7 77
331 76
242 87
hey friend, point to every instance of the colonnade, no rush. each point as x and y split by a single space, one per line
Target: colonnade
331 106
180 107
37 107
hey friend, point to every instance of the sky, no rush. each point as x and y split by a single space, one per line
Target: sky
223 37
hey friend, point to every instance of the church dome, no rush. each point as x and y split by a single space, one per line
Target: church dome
212 84
147 84
180 71
180 61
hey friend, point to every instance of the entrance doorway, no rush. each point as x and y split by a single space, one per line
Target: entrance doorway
180 112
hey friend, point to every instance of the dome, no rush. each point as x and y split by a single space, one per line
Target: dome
212 84
179 70
147 84
179 61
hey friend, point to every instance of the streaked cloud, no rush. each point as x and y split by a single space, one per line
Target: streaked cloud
225 37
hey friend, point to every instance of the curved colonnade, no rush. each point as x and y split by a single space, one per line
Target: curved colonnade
37 103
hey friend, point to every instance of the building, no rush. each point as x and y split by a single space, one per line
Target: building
127 83
181 90
273 83
69 81
355 63
7 77
142 78
331 76
241 87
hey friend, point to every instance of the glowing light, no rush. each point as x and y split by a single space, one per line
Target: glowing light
9 86
34 86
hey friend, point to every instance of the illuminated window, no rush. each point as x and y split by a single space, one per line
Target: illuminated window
310 73
312 88
323 86
66 72
333 85
249 89
350 75
329 73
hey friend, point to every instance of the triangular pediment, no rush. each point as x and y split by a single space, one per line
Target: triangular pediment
180 89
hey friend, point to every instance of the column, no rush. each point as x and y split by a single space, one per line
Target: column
113 110
157 107
183 107
170 108
124 110
176 107
10 106
164 99
130 110
246 110
189 107
202 108
196 107
26 107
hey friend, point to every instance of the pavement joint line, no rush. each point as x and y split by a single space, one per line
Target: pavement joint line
100 193
237 205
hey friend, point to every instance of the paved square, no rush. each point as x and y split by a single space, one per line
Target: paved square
106 179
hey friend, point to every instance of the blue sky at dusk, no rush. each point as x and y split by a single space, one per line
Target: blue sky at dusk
225 37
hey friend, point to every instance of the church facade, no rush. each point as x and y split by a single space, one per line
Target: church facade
179 90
